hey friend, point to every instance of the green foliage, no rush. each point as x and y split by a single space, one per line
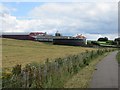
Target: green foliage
103 39
109 43
16 70
50 74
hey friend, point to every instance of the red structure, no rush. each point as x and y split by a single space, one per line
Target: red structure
80 36
36 33
30 36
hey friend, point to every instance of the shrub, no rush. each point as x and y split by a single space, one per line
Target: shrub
103 39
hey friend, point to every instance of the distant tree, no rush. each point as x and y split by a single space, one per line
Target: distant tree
57 34
103 39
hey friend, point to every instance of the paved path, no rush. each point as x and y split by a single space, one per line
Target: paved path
106 74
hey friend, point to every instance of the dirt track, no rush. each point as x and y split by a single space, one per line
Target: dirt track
106 74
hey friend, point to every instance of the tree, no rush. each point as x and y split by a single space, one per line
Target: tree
57 34
103 39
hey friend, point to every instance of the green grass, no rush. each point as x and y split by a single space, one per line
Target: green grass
118 57
83 77
101 42
24 52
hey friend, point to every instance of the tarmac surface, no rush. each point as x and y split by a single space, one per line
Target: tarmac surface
106 74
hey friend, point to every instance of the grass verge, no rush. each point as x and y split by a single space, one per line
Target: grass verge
118 56
83 78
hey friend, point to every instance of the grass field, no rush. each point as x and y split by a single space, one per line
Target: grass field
24 52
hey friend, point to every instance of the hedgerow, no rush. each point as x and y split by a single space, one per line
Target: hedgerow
51 74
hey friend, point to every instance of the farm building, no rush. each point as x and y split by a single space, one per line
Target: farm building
78 40
70 41
19 37
22 36
117 40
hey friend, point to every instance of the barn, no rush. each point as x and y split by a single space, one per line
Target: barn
19 37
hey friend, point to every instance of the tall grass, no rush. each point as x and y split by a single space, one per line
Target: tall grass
24 52
51 74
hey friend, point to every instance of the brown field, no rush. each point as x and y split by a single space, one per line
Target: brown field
24 52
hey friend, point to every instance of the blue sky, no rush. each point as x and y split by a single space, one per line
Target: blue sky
21 8
91 19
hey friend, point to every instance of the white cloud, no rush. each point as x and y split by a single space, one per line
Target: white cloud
96 36
4 9
59 0
80 17
68 18
11 24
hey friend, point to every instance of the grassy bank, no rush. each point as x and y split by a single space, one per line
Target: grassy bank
82 78
24 52
118 56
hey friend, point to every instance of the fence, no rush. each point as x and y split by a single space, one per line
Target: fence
51 74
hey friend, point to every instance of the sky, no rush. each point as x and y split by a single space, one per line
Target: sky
92 19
